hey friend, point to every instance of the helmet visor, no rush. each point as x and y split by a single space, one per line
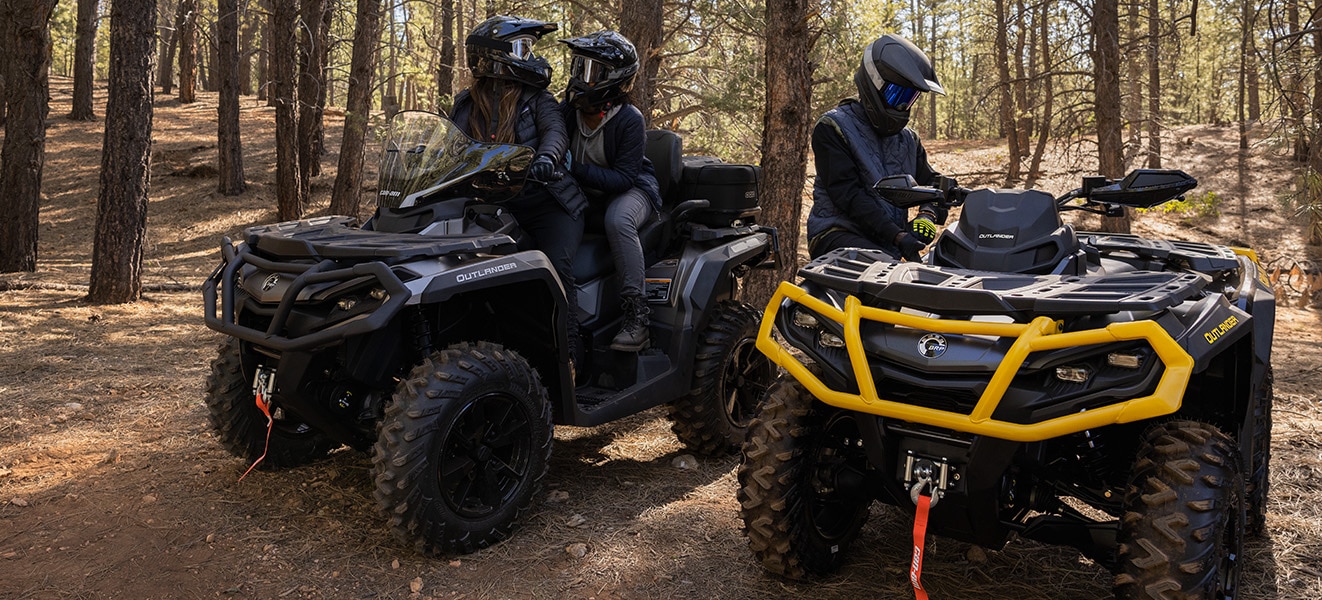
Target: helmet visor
588 70
521 47
897 96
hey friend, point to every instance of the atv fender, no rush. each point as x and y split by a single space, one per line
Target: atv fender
708 281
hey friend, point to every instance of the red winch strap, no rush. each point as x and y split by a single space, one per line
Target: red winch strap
266 410
919 533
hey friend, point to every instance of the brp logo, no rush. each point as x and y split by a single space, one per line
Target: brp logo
932 345
270 282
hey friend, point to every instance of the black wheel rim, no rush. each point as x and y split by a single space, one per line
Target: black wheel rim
747 375
485 456
833 511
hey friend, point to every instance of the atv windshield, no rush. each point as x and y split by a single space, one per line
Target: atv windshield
426 157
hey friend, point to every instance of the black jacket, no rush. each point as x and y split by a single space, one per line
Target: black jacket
625 140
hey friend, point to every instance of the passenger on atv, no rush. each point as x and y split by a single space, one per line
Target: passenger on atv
606 142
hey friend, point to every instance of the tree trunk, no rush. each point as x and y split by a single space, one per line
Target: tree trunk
166 76
1023 121
1048 96
289 193
445 71
1006 112
24 154
1134 83
311 76
210 78
1294 83
785 133
247 29
1254 83
187 51
264 62
358 107
228 142
121 207
84 61
641 22
932 50
1106 65
1154 85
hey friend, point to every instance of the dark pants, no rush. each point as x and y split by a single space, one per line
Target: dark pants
841 238
547 227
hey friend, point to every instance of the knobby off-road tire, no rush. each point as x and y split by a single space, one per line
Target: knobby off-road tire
1255 479
241 426
462 449
730 376
797 523
1183 519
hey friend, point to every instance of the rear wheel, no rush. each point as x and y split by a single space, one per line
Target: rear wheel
1181 535
463 448
730 376
799 509
241 426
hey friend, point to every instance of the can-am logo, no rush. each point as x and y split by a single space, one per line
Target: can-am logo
932 345
996 236
462 277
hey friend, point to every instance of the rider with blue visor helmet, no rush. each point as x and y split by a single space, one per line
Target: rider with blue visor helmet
865 139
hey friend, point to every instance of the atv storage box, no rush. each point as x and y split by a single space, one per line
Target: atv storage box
731 189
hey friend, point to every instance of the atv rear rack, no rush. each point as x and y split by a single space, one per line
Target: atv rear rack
1041 334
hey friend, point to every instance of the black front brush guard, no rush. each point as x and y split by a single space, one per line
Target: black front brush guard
307 274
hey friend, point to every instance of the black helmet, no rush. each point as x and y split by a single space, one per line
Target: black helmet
892 74
501 47
601 71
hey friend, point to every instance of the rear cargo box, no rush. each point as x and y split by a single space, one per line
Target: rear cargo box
731 189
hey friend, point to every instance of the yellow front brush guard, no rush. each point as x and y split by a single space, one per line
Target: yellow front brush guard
1040 334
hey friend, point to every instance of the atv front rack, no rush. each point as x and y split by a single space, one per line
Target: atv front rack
1041 334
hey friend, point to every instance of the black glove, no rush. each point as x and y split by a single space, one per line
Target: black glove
923 228
909 246
542 169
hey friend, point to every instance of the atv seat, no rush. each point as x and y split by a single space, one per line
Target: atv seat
593 258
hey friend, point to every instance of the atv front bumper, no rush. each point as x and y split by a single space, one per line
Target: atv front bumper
1041 334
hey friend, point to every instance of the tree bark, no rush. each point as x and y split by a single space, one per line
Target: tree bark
246 51
290 198
1154 85
264 62
1134 84
228 142
785 133
311 77
358 107
121 215
84 61
166 76
1106 65
445 70
1006 112
1048 96
641 22
187 51
1294 83
27 67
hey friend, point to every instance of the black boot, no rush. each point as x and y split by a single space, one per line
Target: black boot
633 331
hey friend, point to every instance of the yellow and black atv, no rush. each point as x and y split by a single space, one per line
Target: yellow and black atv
1019 374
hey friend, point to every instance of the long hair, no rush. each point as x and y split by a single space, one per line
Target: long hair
498 98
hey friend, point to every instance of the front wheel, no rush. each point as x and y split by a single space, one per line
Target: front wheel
1182 532
729 377
462 449
799 492
242 427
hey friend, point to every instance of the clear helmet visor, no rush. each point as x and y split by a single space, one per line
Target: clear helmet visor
897 96
521 47
587 70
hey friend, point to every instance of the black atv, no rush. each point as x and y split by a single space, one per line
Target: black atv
429 339
1107 392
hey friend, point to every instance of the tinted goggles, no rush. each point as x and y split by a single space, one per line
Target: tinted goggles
587 70
521 47
897 96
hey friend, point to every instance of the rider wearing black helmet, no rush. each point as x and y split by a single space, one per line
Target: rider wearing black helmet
508 103
865 139
606 139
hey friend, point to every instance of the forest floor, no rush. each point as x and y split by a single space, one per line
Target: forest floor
113 486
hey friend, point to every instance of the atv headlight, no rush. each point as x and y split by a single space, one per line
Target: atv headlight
1124 360
827 339
1073 373
805 319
